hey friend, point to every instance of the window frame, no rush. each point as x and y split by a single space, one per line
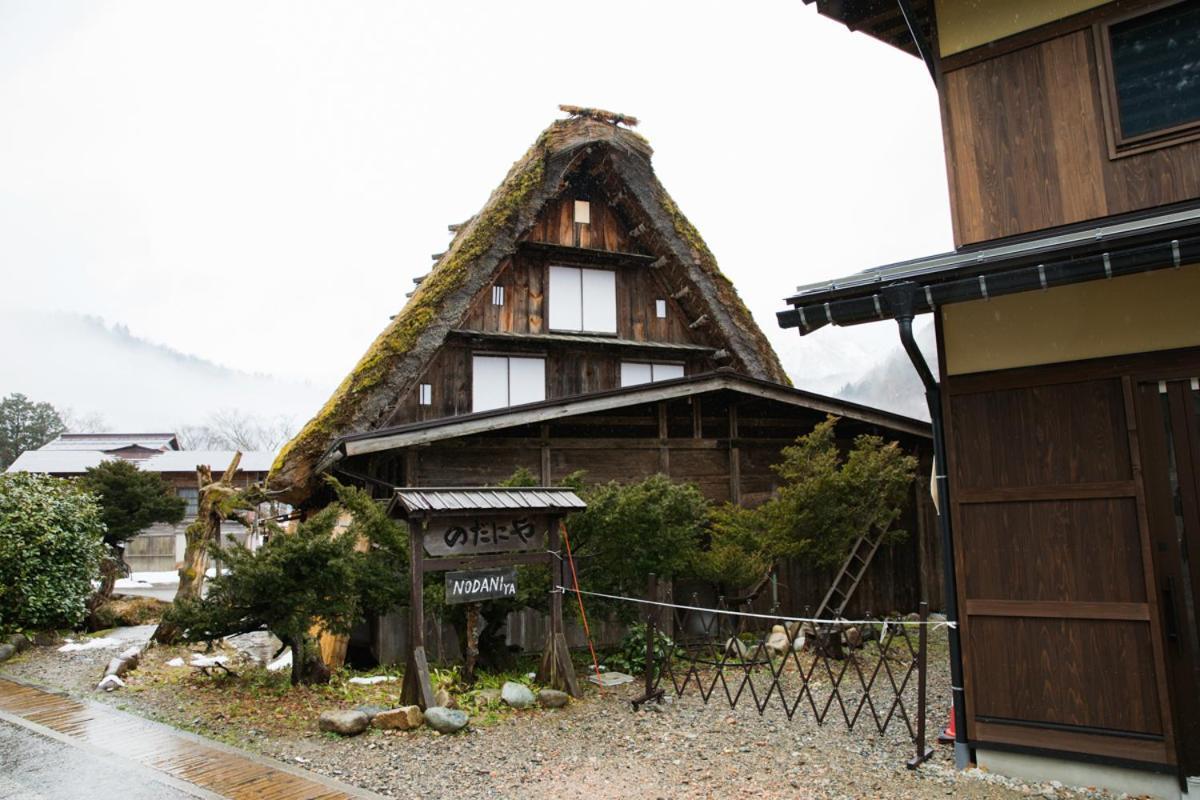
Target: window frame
1120 145
651 364
508 357
582 329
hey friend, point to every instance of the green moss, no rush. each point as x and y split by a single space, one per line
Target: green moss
402 334
725 289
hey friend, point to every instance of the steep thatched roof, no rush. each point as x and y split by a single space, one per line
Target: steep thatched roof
396 359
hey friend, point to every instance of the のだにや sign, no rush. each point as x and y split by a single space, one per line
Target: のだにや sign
473 585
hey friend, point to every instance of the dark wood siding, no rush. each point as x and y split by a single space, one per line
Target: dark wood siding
628 444
525 297
1061 628
1027 146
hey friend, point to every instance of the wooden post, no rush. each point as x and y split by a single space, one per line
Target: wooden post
735 459
651 639
556 669
417 689
923 753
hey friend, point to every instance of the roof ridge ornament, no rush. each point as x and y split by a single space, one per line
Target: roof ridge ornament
600 114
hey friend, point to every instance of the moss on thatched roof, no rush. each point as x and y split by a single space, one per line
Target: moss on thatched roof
395 360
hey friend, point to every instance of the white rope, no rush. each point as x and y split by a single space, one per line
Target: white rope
727 612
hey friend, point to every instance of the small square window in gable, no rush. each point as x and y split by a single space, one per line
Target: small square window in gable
583 212
497 295
425 394
660 309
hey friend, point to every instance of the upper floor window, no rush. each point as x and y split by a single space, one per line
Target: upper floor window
583 300
635 372
501 381
1154 74
191 496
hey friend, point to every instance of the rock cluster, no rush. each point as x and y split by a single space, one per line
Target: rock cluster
127 661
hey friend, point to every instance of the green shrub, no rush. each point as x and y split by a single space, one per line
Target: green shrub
51 543
630 657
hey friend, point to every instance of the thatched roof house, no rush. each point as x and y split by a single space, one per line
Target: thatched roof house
585 194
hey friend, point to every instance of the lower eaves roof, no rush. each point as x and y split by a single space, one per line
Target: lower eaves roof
1142 244
424 502
547 410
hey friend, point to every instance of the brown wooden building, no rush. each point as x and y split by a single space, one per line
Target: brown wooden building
1067 408
580 322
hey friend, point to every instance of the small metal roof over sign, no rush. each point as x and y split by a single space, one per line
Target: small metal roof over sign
426 502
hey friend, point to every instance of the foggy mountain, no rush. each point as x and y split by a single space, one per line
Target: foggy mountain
90 368
861 365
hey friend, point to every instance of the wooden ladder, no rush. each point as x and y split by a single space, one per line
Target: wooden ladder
851 573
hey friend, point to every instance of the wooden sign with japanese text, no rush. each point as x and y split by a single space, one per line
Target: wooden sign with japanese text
466 536
473 585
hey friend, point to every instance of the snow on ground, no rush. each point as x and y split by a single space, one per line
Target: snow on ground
141 580
98 643
373 679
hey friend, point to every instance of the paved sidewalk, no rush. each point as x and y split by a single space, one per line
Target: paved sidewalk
193 765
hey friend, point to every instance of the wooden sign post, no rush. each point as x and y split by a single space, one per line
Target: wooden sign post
480 536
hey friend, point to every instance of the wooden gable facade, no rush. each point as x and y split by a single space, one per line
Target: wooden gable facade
511 316
579 275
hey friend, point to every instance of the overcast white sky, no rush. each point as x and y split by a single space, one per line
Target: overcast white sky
257 182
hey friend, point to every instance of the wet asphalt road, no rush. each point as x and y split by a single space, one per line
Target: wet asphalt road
36 767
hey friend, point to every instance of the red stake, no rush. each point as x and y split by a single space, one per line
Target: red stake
582 614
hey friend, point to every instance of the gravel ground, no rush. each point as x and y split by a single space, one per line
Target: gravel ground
594 748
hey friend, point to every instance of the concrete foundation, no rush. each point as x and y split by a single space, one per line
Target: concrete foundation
1079 773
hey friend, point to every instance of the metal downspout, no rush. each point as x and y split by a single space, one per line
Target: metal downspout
900 300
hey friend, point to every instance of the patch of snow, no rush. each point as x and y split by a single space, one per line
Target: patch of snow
98 643
143 579
207 661
372 680
175 662
610 679
282 663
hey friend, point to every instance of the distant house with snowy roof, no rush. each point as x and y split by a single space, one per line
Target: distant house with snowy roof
160 547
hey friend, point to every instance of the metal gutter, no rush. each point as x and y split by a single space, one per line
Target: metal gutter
1036 249
901 299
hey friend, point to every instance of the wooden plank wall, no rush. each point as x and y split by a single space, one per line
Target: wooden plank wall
625 446
1027 147
525 280
1061 645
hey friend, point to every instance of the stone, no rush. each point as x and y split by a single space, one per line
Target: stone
853 637
445 720
371 710
552 698
7 651
777 642
20 641
737 648
488 697
444 699
109 683
516 695
798 643
405 718
46 638
346 723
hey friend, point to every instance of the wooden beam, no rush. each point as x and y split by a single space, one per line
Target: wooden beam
587 255
664 449
604 401
735 458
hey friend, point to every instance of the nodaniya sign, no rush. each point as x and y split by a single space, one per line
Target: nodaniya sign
472 585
